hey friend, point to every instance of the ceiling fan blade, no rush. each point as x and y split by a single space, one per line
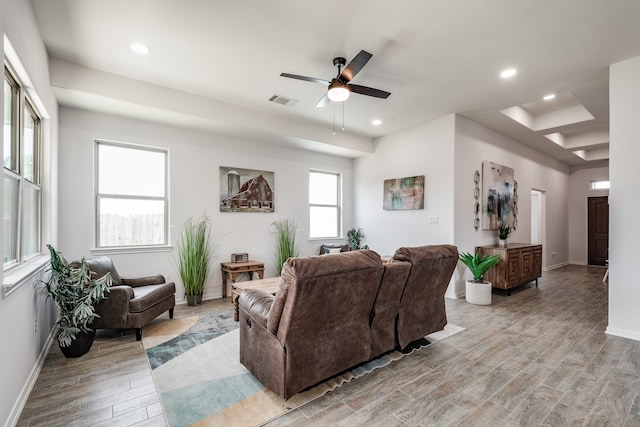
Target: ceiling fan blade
369 91
324 101
355 66
306 79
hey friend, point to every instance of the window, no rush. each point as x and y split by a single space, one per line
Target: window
131 195
22 135
324 204
600 185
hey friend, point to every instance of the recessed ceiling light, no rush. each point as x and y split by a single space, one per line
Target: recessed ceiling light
140 49
508 73
376 122
549 97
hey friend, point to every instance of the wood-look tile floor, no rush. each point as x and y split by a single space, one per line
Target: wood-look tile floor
537 357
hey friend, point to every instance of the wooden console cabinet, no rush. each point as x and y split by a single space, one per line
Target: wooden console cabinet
521 263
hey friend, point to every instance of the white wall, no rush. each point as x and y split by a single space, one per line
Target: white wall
195 158
532 170
624 203
26 317
423 150
448 151
579 192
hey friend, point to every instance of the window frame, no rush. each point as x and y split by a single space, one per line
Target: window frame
599 185
98 197
338 204
22 104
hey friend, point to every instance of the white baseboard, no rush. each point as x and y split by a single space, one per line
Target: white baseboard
553 267
624 333
16 411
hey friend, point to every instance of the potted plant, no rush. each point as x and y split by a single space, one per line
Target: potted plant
285 235
478 291
75 293
354 236
503 233
194 257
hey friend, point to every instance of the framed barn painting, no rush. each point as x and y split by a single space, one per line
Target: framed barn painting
497 203
404 193
246 190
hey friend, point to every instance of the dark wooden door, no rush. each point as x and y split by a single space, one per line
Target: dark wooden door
598 230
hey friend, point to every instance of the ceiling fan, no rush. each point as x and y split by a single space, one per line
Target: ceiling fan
339 87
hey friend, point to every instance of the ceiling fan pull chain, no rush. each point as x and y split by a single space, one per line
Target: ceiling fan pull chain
334 118
343 116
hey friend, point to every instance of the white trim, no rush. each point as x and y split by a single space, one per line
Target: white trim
18 406
553 267
119 250
22 273
624 333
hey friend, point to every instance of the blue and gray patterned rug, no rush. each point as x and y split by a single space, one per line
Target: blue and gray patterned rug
197 371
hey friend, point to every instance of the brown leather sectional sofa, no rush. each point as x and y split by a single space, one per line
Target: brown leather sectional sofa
333 312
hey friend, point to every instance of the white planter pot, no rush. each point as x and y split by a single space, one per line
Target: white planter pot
478 293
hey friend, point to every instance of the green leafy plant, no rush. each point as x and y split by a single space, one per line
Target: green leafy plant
503 231
75 292
194 254
285 236
479 265
354 236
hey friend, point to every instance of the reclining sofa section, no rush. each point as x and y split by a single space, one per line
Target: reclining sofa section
337 311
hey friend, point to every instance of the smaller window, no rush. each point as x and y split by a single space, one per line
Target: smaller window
600 185
324 204
131 195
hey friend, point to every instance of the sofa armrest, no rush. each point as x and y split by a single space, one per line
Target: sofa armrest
114 309
134 282
120 294
257 304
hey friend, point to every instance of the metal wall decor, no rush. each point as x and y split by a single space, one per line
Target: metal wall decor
514 207
476 205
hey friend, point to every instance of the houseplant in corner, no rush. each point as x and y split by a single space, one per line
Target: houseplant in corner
354 236
477 290
75 293
194 257
285 235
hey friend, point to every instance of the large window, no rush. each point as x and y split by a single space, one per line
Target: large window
324 204
131 195
22 135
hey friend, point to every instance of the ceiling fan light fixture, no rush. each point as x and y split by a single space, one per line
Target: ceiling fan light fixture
338 91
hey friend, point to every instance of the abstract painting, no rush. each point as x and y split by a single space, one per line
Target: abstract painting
497 185
404 193
245 190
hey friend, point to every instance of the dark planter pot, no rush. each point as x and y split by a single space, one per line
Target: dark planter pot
194 299
80 346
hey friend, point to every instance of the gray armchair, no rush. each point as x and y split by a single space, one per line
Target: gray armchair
131 302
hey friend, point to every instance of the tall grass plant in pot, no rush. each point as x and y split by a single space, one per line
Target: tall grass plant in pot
478 291
194 257
75 292
285 237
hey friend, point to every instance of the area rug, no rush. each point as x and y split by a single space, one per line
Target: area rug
197 371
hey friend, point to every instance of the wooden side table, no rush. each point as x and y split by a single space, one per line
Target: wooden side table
268 285
235 269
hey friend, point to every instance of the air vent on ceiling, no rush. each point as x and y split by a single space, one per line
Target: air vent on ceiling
283 100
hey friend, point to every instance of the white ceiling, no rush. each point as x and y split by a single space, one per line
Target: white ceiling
435 57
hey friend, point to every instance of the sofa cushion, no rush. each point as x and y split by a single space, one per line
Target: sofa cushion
146 296
333 248
103 265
